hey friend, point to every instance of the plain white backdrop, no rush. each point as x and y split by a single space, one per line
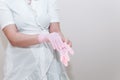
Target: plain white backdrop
94 28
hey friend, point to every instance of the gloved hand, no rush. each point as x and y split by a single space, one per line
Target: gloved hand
63 48
53 38
64 54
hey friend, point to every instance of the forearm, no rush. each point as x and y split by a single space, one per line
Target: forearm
19 39
55 27
24 40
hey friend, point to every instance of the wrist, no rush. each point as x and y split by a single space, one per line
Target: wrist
42 38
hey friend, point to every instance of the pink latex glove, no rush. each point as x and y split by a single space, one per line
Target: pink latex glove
64 54
63 48
54 38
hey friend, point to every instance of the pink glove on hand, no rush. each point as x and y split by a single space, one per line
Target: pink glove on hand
57 43
64 54
54 38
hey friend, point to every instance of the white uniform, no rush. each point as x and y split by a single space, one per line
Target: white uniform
36 62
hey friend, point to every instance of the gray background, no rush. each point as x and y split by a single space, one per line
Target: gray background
94 28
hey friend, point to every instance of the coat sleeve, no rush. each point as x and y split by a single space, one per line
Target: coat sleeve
6 16
53 10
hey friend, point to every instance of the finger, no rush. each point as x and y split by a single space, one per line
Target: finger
69 43
69 49
64 61
63 51
67 57
63 39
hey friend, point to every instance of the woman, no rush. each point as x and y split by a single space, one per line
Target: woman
31 26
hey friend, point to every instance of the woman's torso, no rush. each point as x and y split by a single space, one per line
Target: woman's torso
19 61
30 19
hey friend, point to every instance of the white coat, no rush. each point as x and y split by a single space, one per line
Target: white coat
36 62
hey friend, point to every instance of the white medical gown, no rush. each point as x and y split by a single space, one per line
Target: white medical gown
36 62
